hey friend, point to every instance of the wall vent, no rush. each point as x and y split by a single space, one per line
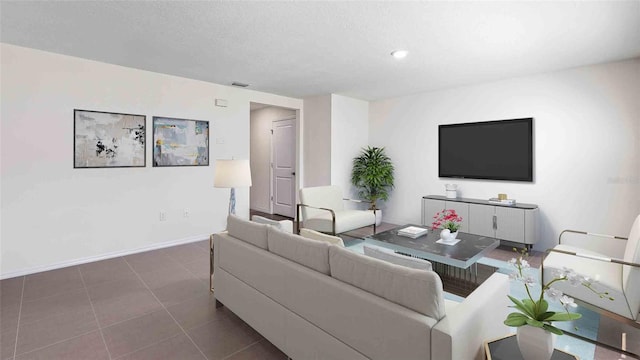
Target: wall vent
239 84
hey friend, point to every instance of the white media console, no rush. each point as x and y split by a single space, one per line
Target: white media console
515 223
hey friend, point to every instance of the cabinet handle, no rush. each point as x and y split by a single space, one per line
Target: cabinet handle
495 222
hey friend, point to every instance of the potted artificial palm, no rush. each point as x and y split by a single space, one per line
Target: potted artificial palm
372 175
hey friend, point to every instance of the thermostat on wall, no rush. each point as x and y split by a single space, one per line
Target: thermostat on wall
221 102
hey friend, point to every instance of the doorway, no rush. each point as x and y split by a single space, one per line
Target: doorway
273 159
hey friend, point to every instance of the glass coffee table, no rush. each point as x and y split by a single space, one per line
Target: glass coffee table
457 261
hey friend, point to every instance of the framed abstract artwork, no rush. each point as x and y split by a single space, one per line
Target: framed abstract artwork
180 142
104 139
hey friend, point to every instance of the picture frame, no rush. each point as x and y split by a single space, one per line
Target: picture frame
108 140
180 142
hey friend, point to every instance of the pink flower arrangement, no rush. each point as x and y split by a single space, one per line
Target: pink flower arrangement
447 219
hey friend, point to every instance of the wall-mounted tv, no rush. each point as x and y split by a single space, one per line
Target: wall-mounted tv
496 150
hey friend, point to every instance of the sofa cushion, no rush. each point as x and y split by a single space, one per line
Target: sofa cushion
313 254
248 231
418 290
398 259
312 234
345 220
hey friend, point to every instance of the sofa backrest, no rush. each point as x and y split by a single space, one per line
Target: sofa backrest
329 197
398 259
316 235
248 231
313 254
284 225
418 290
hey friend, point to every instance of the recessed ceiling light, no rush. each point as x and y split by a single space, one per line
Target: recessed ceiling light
399 54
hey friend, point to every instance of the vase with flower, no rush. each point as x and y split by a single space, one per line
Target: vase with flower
449 221
535 333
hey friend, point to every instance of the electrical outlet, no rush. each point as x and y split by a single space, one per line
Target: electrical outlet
163 216
186 212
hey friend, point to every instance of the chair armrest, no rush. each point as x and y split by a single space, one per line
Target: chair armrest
477 319
355 200
333 216
589 256
594 242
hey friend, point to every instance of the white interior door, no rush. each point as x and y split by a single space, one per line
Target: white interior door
284 167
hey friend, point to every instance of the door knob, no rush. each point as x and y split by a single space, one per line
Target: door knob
293 173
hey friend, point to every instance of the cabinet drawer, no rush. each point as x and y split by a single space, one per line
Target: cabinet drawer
510 224
429 209
481 220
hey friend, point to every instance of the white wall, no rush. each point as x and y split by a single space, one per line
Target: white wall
261 154
53 214
349 134
317 141
587 145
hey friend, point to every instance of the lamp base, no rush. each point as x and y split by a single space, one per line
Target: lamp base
232 202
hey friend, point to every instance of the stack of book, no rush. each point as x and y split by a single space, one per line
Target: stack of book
413 231
502 202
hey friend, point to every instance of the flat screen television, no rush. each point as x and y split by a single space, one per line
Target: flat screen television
496 150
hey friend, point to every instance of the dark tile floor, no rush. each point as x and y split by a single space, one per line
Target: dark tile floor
152 305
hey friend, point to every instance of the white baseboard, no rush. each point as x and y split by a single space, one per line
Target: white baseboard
63 264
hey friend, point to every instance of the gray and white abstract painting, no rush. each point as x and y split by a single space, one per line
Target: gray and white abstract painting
103 139
180 142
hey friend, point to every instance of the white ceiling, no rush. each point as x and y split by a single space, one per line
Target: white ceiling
301 49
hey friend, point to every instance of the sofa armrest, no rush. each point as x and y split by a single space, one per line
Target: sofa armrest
461 334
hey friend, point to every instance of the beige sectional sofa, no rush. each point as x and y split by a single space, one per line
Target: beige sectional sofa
314 300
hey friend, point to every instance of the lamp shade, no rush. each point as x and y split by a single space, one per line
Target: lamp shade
232 173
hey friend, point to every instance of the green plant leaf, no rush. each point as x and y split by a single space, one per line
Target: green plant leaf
522 307
564 317
546 315
552 329
535 323
515 319
543 305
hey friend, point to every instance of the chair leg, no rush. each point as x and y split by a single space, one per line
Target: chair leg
298 219
211 263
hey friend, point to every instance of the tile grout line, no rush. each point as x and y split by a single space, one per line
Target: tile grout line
56 343
147 346
165 309
95 316
15 345
243 349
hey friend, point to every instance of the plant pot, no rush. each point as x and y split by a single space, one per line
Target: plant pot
447 235
535 343
378 217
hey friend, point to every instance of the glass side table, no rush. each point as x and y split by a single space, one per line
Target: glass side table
506 348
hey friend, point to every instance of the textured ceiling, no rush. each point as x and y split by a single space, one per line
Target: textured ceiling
301 49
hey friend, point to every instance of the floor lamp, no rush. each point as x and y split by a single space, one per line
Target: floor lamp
229 174
232 174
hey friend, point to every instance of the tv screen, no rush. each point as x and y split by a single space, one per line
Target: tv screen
496 150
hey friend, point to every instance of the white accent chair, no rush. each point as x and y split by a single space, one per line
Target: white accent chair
323 210
590 255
